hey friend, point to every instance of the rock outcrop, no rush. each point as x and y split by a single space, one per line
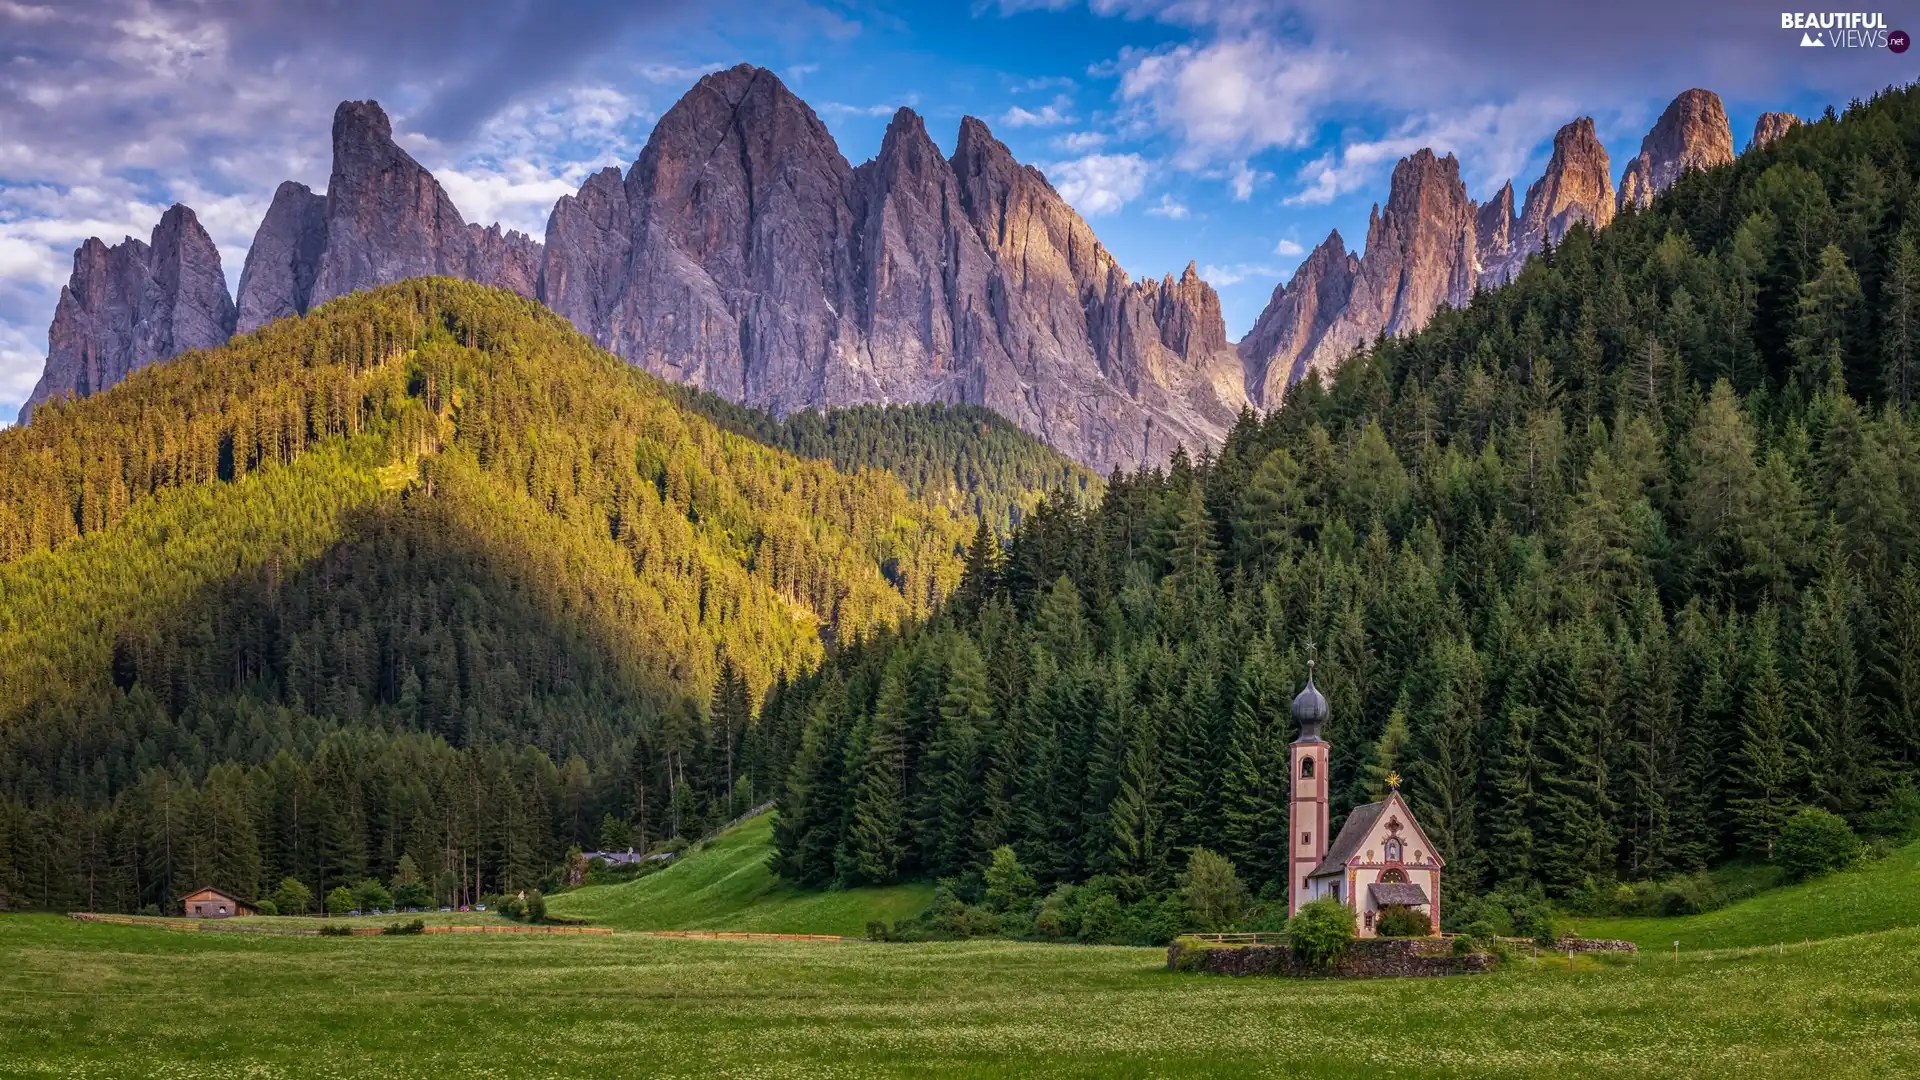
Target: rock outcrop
1691 134
277 280
383 219
1771 126
1577 186
1296 317
133 304
1421 253
1493 226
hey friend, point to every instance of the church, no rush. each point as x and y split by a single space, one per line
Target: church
1381 857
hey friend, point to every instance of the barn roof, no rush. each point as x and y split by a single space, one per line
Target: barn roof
1405 893
217 892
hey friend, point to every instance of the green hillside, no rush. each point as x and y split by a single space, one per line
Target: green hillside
423 573
967 458
1881 896
726 885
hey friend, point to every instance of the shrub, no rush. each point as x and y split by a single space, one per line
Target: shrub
417 926
1399 920
411 895
1101 921
1009 886
292 897
1813 842
1543 930
1059 914
1213 890
1192 955
877 930
513 908
150 909
373 896
1320 932
536 906
266 907
336 931
340 900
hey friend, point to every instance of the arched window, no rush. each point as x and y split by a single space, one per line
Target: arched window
1394 849
1306 768
1394 876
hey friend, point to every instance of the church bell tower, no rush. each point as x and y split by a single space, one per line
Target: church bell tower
1307 812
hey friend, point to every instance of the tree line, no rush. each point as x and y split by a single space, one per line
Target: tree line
1618 567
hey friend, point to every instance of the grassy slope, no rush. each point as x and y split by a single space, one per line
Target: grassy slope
1880 896
87 1001
727 886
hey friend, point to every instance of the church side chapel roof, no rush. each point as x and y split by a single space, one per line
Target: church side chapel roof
1407 893
1352 835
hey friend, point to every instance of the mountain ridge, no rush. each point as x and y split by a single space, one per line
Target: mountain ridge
742 253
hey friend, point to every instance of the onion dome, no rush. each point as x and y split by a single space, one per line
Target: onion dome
1310 709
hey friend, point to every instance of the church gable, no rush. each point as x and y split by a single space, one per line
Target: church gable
1395 823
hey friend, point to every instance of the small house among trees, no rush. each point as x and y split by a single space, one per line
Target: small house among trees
211 903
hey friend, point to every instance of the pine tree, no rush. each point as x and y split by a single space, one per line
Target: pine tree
1762 775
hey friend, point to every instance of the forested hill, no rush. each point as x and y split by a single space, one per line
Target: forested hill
422 573
967 458
1616 566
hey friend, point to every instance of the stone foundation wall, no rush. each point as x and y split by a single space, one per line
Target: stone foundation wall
1367 958
1592 945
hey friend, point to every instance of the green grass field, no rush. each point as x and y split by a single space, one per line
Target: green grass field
1883 895
114 1001
727 886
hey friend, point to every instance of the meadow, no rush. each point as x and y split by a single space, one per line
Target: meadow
727 885
80 1000
1878 895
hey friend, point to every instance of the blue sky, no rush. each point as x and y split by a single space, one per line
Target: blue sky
1230 133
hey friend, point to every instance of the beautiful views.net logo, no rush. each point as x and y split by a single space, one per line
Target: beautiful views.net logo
1844 30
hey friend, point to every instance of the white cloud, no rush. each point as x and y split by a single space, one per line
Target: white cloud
1242 178
1169 207
1099 183
1235 273
838 108
1052 114
1289 248
1079 141
1230 98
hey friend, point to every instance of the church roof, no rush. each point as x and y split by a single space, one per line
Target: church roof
1352 835
1359 824
1387 892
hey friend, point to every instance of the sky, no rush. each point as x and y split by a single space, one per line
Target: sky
1230 133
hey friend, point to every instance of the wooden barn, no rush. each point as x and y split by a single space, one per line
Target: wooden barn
211 903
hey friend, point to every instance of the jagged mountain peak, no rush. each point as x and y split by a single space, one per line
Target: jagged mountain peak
1692 133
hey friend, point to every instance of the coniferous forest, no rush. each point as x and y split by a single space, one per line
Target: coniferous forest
1618 567
421 574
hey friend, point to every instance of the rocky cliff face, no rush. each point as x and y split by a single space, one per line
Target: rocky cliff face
133 304
1296 318
1577 186
1691 134
1771 126
744 254
384 218
277 280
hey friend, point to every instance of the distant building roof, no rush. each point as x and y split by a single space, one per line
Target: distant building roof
1404 893
217 892
1352 835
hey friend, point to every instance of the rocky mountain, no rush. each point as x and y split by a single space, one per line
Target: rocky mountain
1577 186
1771 126
1337 302
744 254
1421 252
384 218
132 304
1691 134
